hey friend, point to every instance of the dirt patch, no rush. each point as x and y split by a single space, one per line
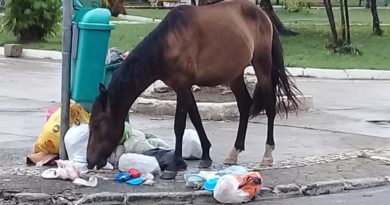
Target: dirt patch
205 94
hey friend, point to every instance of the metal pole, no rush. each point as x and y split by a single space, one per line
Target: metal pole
65 87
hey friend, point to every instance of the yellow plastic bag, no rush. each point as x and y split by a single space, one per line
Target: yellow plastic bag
49 139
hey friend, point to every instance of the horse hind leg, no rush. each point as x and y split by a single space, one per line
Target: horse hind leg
196 120
243 98
264 97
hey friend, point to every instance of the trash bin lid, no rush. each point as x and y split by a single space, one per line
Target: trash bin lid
98 15
79 4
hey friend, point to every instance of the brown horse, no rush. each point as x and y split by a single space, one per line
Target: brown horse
206 46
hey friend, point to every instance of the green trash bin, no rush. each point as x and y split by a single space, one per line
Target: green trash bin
91 33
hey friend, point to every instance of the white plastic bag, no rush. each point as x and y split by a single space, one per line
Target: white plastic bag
145 164
192 148
137 143
76 142
227 192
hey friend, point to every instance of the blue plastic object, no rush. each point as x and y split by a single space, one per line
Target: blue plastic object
136 181
122 177
210 184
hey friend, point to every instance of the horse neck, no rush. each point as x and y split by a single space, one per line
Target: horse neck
124 95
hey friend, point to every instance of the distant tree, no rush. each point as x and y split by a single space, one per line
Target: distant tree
31 21
376 29
283 30
343 44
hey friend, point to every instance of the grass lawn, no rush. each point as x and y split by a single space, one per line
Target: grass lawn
304 50
308 49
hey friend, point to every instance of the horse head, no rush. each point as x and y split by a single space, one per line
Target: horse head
105 131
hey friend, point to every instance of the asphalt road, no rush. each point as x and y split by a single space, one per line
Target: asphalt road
377 196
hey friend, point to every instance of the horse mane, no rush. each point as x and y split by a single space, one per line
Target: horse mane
209 2
146 58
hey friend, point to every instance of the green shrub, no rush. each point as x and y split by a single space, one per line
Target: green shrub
31 20
297 5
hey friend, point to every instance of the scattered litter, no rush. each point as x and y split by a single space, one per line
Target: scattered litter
163 157
122 177
134 173
139 143
68 171
50 112
145 164
135 181
92 182
148 179
49 138
237 189
134 177
195 181
76 142
233 170
192 148
41 158
210 184
114 56
116 154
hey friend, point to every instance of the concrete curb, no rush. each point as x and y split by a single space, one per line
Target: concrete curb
33 53
207 110
138 19
198 197
349 74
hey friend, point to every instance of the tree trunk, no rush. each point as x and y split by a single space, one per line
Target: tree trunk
347 20
360 2
368 4
329 12
342 19
277 2
376 29
193 2
267 6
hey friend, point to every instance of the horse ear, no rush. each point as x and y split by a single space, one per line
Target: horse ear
103 94
102 88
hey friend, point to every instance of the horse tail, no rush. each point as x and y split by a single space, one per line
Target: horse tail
281 82
282 85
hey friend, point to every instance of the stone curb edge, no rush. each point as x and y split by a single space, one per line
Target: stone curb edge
358 74
346 74
277 192
207 110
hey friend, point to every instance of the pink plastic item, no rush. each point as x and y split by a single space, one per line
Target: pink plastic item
50 111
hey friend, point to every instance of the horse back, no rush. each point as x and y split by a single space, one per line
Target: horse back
214 40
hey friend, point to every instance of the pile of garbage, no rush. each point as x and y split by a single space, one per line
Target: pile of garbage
138 157
231 185
136 150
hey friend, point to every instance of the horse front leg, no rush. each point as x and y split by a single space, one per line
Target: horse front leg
177 163
270 144
244 102
196 120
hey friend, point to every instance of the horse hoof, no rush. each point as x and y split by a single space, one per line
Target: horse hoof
230 161
267 163
205 163
168 175
181 165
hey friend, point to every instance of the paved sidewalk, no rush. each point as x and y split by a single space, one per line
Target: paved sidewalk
295 71
335 147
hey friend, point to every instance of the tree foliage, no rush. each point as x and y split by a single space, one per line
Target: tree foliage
32 20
